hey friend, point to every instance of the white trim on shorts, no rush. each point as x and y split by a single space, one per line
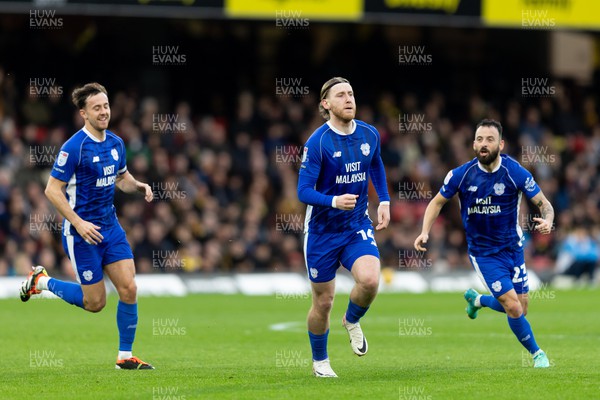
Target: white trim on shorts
479 274
305 246
70 248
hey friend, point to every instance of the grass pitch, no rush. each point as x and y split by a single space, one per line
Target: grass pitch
235 347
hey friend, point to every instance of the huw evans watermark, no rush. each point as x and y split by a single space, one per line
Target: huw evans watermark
414 260
413 327
291 19
167 260
167 327
528 223
168 55
40 222
413 393
288 154
543 292
167 393
537 87
537 20
44 87
290 87
169 190
537 155
44 358
414 55
168 123
414 191
290 223
43 155
414 123
44 19
290 359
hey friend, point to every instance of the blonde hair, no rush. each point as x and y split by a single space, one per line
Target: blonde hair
325 91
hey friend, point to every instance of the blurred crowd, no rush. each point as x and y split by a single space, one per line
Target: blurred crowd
225 186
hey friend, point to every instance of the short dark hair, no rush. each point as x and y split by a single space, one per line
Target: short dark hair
490 123
81 94
325 91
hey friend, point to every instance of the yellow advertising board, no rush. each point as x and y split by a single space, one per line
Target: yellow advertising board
542 14
341 10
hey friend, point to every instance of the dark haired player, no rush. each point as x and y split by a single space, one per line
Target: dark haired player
337 162
88 168
489 188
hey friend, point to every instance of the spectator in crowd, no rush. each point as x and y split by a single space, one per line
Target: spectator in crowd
579 253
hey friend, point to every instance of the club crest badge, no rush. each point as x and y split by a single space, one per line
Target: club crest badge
499 189
365 148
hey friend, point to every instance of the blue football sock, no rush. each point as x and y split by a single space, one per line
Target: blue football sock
491 302
68 291
355 312
127 319
318 344
522 330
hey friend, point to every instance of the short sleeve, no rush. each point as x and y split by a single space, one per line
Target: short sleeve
66 162
526 183
450 186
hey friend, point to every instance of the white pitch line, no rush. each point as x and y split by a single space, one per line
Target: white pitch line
291 326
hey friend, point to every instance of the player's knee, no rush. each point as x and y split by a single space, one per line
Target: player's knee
128 292
94 306
370 283
324 304
513 309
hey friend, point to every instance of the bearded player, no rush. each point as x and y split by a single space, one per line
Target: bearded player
489 188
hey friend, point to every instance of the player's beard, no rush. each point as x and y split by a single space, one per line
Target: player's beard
489 158
343 115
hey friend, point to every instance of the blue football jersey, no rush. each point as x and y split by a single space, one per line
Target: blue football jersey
90 168
489 203
341 164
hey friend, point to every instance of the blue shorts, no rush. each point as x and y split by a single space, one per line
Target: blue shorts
325 252
502 271
88 259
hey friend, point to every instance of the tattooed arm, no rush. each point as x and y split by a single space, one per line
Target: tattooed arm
545 223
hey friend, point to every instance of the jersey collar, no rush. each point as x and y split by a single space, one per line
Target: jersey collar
94 138
352 129
495 169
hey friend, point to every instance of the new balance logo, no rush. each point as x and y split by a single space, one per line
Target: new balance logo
95 159
337 154
472 188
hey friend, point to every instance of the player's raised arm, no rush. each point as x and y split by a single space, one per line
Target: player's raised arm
544 225
431 213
